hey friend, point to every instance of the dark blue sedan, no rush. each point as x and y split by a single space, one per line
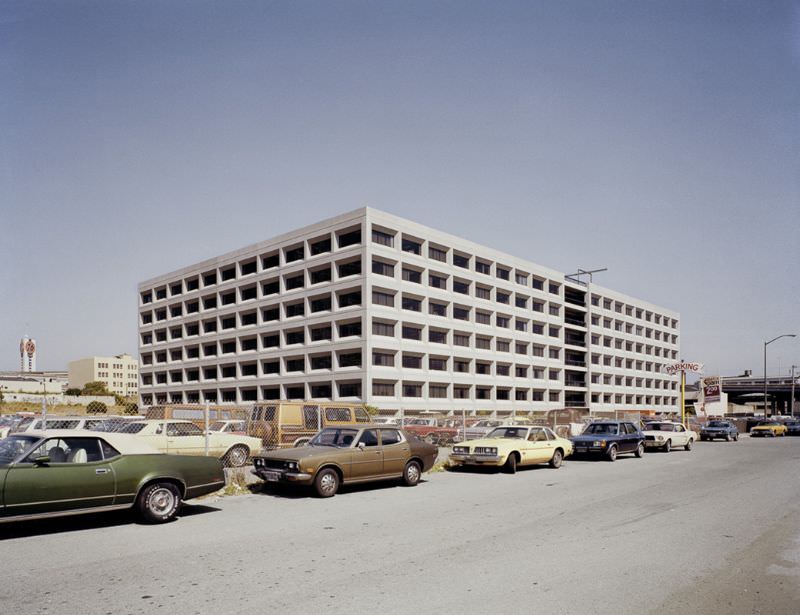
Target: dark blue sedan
719 429
609 439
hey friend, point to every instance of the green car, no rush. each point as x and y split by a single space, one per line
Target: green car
66 472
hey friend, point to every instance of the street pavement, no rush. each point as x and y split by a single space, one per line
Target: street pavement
714 530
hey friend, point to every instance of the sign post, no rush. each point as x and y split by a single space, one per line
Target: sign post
683 367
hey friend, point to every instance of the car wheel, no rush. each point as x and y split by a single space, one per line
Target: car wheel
158 502
612 453
736 437
412 474
667 446
558 457
511 464
727 437
688 446
326 483
640 450
237 456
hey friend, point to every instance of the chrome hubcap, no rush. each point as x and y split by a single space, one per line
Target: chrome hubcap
327 483
161 501
238 457
412 473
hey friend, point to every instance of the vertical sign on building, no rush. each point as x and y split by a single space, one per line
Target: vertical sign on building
712 389
27 354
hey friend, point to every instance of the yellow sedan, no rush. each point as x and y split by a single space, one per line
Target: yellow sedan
511 446
768 428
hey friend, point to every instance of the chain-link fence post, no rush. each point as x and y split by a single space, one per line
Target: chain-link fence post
205 419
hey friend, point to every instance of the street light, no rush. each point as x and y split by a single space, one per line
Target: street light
765 367
791 408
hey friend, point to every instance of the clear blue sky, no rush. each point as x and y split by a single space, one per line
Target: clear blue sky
658 139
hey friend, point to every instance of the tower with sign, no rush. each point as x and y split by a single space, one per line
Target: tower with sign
27 354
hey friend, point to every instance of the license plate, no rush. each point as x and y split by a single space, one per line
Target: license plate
580 449
272 477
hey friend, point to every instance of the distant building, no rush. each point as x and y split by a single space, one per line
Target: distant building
120 373
27 354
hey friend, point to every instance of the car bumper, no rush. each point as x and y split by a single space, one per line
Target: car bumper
654 444
478 460
580 449
282 476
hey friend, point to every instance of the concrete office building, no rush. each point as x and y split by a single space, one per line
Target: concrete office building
371 307
119 373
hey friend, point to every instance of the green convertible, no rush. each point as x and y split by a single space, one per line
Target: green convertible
66 472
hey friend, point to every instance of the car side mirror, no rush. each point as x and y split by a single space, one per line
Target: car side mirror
41 460
361 446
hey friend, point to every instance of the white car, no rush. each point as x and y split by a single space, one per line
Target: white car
666 435
186 438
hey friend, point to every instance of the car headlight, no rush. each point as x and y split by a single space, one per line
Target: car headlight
600 443
292 466
486 450
460 449
660 438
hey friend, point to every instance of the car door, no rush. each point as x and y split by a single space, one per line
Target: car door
537 448
188 439
628 437
71 474
681 435
396 451
367 456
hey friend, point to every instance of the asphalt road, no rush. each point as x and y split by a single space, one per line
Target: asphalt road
714 530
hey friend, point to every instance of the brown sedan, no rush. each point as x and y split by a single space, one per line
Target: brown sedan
348 455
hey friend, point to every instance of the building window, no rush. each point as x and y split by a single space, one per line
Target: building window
460 313
437 391
437 254
409 245
296 281
503 346
348 269
502 297
350 238
350 359
383 359
383 389
381 268
414 305
503 274
321 333
318 276
437 309
481 292
438 337
411 333
437 282
412 361
295 365
321 304
410 275
437 364
483 343
412 390
295 309
350 329
350 299
321 362
484 268
379 298
269 288
385 239
461 287
294 254
483 318
461 261
382 328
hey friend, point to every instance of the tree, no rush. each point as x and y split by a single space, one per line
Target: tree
95 388
96 407
371 410
73 392
131 408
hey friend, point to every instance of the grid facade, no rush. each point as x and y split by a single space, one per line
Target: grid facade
372 307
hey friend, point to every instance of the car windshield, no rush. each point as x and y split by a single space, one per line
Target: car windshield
718 424
768 423
334 436
217 426
659 427
508 432
13 446
132 428
602 428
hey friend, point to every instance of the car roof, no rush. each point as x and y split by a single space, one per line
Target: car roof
126 444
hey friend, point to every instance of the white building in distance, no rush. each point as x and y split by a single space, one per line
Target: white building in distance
119 373
371 307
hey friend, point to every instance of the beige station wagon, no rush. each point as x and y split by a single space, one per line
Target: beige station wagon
290 424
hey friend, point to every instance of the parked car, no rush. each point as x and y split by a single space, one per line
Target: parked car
345 455
432 430
667 435
237 427
186 438
57 473
91 423
385 420
291 424
609 439
768 427
8 423
792 428
719 429
511 446
481 428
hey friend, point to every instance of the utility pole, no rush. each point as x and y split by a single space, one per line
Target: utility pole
791 408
